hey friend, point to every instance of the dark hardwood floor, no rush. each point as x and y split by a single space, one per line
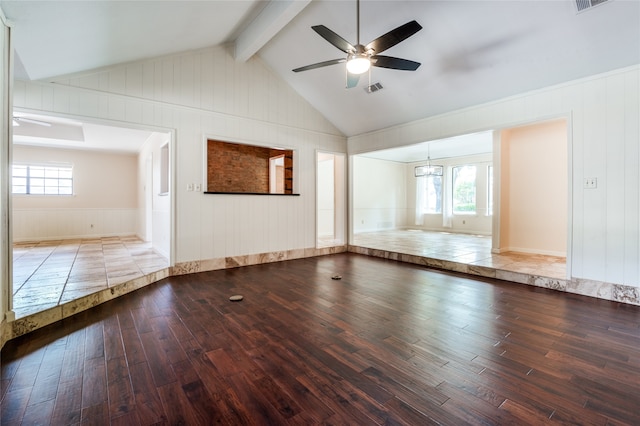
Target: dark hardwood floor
390 343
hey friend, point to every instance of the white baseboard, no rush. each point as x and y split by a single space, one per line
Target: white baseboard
73 237
529 251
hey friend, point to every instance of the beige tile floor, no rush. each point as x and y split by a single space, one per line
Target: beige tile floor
49 273
462 248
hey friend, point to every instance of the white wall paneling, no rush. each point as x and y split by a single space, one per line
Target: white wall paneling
208 93
604 133
631 167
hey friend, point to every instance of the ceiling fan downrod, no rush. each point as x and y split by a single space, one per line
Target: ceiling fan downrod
358 22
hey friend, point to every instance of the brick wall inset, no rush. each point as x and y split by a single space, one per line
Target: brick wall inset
233 167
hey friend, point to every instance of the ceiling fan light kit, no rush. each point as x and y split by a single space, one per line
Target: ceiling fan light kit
358 64
361 58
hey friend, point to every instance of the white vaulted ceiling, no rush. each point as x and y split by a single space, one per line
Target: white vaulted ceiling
54 38
471 51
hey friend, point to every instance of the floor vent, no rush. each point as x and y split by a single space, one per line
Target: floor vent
373 88
583 5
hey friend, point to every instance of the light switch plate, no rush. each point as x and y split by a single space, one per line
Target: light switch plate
590 183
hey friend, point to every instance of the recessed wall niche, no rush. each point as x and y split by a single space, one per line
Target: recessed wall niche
236 168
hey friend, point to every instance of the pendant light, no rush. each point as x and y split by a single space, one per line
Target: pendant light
429 169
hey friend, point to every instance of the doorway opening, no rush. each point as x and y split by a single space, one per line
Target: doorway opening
330 199
91 208
533 187
276 174
496 209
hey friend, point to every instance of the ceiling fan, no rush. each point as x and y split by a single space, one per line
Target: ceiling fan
360 58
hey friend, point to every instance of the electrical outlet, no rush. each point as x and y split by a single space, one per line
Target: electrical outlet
197 187
590 183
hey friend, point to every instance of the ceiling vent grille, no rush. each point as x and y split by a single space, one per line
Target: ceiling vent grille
582 5
373 88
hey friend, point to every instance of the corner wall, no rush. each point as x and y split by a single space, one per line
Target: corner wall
379 195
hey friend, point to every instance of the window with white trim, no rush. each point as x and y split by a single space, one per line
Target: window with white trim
30 179
464 189
432 200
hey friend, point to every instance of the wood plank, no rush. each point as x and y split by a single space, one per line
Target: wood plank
94 383
148 404
250 401
96 414
38 414
68 403
348 407
45 386
526 415
121 397
157 359
14 406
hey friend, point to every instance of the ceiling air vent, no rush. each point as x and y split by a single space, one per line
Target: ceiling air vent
583 5
373 88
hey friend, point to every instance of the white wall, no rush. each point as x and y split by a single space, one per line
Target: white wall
379 194
200 94
5 159
104 202
604 121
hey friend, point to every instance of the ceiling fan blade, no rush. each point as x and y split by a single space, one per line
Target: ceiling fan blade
352 80
394 63
393 37
334 38
320 65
